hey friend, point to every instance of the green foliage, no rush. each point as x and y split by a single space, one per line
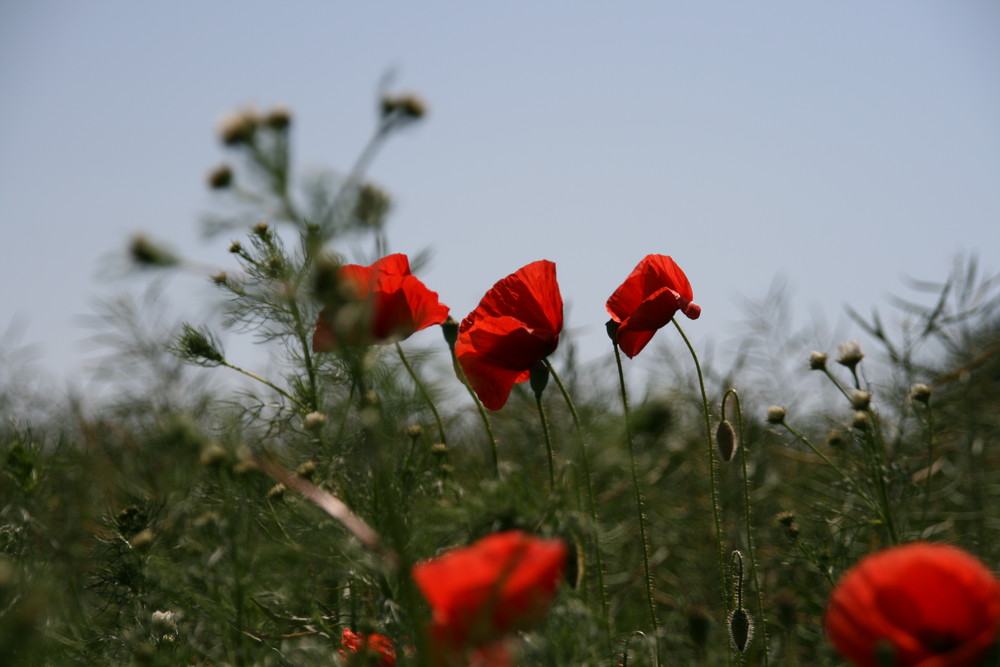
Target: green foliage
139 530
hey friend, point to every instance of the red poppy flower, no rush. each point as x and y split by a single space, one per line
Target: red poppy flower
931 605
382 303
647 301
481 592
377 650
516 325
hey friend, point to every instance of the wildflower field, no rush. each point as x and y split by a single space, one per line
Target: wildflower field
407 485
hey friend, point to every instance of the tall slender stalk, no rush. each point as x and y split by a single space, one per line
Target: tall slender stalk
640 506
712 464
423 392
479 406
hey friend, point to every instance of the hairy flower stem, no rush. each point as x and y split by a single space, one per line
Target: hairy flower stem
930 463
266 382
423 392
712 464
640 507
548 441
591 503
746 517
482 411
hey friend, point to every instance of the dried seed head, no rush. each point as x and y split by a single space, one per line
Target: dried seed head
775 415
849 354
408 106
439 449
725 440
860 399
414 431
835 438
220 178
164 622
236 248
740 629
306 470
785 518
143 540
372 206
146 252
921 393
263 230
220 278
213 455
278 118
817 361
861 421
238 127
276 492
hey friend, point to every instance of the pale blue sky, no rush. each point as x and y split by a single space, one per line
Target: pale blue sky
840 145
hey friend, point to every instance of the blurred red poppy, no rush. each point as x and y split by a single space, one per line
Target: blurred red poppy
925 605
481 592
647 301
379 304
515 326
377 650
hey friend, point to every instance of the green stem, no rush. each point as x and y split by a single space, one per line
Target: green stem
548 441
711 467
482 411
423 392
263 381
640 508
746 517
591 503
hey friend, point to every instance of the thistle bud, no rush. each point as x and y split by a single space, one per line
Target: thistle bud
775 415
817 361
860 399
849 354
921 393
725 440
220 178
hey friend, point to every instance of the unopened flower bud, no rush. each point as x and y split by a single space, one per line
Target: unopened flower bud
921 393
213 455
314 422
142 540
817 361
699 625
785 518
775 415
221 177
164 623
740 629
238 127
725 440
236 248
860 399
263 230
450 330
414 431
439 449
849 354
539 378
145 252
612 328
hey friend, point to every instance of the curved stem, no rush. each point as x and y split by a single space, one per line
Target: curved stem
482 411
711 467
423 392
746 519
548 441
640 508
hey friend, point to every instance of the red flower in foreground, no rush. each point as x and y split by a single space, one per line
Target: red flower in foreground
931 605
647 301
515 326
382 303
481 592
377 650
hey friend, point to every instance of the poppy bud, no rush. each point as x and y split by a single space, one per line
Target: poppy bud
860 399
817 361
220 178
699 625
920 392
740 629
539 378
450 330
612 328
849 354
775 415
725 439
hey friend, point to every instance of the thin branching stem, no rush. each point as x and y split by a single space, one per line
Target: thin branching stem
423 392
263 381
